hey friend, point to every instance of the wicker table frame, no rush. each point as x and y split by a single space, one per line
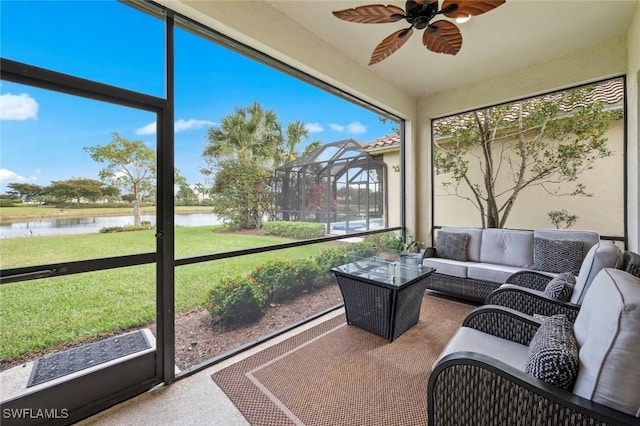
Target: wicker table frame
380 307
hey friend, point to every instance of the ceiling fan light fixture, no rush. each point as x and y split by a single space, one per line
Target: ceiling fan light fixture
440 36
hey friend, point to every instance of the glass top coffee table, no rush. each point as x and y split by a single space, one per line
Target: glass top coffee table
383 296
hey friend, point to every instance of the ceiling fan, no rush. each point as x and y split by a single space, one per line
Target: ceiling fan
440 36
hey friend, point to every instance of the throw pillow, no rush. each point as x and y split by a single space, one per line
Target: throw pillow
556 256
553 353
561 287
452 245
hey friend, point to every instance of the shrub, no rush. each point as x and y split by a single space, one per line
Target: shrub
145 225
4 202
277 278
386 241
360 250
236 301
240 300
111 229
329 258
562 218
295 230
310 275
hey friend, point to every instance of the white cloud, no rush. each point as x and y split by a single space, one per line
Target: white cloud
7 175
356 128
179 126
314 127
17 107
149 129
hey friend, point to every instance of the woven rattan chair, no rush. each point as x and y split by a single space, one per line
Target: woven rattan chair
631 263
524 291
481 379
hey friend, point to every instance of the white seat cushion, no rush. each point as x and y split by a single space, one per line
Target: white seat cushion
454 268
470 340
491 272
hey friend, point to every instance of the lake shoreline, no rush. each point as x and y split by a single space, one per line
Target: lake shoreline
53 213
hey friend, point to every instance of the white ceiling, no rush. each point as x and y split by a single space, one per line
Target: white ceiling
516 34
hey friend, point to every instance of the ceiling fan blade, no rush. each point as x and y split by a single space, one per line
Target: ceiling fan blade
389 45
371 14
464 8
442 37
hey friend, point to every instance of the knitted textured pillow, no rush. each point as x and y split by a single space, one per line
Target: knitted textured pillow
561 287
452 245
556 256
553 353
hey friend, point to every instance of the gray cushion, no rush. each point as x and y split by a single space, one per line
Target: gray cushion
561 287
470 340
602 255
556 255
608 333
507 247
452 245
553 353
475 240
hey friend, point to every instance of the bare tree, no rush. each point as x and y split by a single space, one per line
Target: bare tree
540 142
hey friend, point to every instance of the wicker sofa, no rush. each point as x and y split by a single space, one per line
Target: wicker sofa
504 367
471 263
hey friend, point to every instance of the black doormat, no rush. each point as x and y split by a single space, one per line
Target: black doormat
62 363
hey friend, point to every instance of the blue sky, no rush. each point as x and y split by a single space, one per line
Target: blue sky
42 133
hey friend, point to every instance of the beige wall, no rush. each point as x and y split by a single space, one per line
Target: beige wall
602 212
392 160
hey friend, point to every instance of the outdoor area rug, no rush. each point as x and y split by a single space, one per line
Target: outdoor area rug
62 363
338 374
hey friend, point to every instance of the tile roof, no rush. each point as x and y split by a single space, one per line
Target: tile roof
384 141
610 92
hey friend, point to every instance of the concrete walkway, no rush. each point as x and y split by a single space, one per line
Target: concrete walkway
194 400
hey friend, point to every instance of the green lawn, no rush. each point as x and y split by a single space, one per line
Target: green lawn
49 313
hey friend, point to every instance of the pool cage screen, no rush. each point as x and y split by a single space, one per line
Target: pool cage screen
339 184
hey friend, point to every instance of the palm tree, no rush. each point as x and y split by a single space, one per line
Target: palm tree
250 133
296 131
242 153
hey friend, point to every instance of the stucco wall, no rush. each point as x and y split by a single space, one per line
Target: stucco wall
392 160
602 212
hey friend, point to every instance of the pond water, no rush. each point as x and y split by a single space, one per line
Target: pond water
88 225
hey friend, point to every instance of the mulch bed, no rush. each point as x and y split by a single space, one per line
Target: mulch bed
197 340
